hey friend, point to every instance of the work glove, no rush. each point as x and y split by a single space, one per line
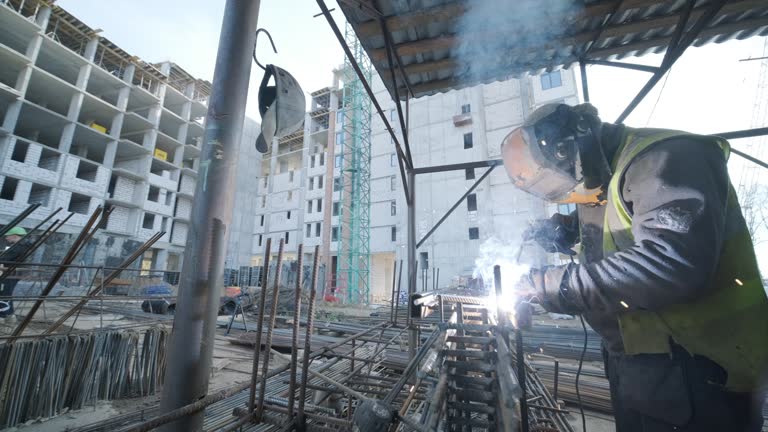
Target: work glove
558 234
548 287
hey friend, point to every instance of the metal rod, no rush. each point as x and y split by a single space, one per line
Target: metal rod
29 233
11 266
259 326
85 234
673 53
412 341
437 279
749 158
392 303
458 167
362 79
15 221
397 300
748 133
584 83
300 420
389 49
623 65
521 377
191 347
295 335
113 275
557 379
456 205
270 328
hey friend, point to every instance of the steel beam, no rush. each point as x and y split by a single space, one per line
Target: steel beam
584 83
456 205
362 79
412 336
747 133
390 55
623 65
202 278
677 47
458 167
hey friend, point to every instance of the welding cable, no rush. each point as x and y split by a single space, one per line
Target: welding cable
578 375
578 371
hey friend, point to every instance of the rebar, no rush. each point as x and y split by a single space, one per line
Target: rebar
17 220
270 327
30 232
300 420
260 326
106 281
84 236
295 338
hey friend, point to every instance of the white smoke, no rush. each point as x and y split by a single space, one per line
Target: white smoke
494 34
504 254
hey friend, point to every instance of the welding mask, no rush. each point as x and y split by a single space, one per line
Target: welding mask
281 106
556 155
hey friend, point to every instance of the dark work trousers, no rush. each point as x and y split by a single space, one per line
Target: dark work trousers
6 290
677 392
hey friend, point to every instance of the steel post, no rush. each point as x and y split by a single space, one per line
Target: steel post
191 345
411 261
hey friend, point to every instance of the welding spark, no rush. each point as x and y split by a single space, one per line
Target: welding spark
623 303
740 283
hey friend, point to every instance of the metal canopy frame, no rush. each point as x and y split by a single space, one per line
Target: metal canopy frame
680 41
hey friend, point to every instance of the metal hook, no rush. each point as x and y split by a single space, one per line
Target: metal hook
255 44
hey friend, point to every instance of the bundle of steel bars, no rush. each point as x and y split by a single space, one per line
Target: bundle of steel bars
42 378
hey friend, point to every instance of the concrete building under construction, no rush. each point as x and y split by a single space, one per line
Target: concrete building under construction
296 196
86 124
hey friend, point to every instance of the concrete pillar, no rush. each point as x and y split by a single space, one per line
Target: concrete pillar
161 259
22 81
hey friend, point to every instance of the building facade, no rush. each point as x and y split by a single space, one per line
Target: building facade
84 124
300 195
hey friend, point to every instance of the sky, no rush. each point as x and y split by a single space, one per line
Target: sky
708 90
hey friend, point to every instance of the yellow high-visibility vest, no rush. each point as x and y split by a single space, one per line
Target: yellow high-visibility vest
730 324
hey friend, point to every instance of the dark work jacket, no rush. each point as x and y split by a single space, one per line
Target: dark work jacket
673 257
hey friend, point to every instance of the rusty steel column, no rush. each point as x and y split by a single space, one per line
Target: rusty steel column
202 276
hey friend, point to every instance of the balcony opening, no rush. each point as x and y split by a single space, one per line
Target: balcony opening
8 191
87 171
154 194
111 187
39 195
20 151
149 221
49 160
79 204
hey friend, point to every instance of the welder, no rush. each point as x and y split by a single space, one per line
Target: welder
666 270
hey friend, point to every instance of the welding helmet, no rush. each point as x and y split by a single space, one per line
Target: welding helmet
282 106
546 156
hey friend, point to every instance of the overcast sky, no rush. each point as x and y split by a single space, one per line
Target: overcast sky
709 90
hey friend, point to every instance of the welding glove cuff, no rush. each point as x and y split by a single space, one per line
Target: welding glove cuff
547 286
558 234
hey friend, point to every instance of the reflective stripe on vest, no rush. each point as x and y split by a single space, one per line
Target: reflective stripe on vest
728 326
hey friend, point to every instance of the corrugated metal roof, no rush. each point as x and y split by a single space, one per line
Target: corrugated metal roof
449 44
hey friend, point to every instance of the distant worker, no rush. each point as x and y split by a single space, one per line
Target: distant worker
12 237
667 273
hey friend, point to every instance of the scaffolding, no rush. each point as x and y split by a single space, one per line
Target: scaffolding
353 264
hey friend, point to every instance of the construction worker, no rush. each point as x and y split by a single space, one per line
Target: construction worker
12 237
667 273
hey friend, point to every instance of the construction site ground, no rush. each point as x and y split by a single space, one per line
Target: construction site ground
232 362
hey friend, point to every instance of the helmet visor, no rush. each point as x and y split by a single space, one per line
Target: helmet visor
531 170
